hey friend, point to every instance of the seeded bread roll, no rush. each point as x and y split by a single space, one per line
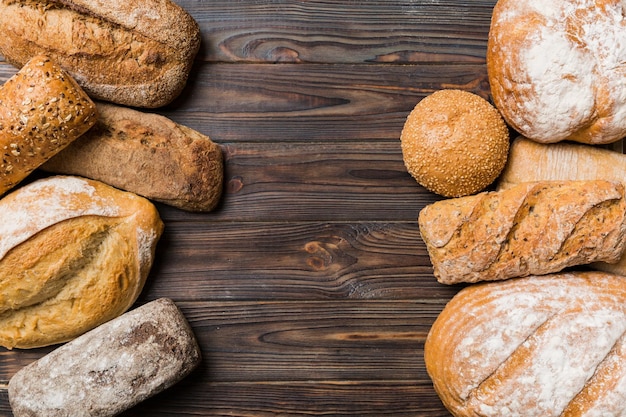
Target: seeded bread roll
531 229
454 143
136 53
536 346
110 368
42 110
149 155
74 253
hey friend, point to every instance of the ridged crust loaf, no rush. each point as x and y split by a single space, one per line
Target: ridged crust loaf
556 68
74 253
147 154
136 53
533 228
552 346
42 110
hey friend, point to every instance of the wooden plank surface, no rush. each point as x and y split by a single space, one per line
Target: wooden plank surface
309 288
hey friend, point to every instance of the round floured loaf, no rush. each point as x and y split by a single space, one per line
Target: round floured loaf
74 253
557 68
550 345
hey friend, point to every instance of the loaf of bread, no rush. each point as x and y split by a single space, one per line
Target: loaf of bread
149 155
135 53
531 229
42 110
550 345
74 253
110 368
556 69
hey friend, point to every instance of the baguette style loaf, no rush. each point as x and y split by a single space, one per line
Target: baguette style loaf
135 53
550 346
147 154
533 161
74 253
531 229
42 110
111 368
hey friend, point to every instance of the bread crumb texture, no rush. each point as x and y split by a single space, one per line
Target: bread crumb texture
454 143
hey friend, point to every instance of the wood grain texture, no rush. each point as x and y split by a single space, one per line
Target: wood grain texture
309 288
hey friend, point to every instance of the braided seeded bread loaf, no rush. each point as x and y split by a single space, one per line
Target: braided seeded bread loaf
550 346
532 228
136 53
74 253
42 110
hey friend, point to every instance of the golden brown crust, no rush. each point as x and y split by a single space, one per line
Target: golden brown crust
533 228
454 143
74 253
130 150
554 70
538 346
42 110
135 53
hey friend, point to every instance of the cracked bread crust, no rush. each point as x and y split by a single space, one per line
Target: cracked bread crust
550 345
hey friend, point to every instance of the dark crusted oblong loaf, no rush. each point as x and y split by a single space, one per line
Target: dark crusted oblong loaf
532 228
138 53
147 154
110 368
552 345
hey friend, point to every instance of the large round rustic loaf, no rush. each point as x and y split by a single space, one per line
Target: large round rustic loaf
556 68
135 53
547 346
74 253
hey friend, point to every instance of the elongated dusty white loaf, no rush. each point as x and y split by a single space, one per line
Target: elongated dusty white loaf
110 368
550 346
532 228
532 161
74 253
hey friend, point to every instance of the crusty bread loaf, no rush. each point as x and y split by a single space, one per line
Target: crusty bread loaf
74 253
532 161
556 68
42 110
533 228
550 345
135 53
149 155
110 368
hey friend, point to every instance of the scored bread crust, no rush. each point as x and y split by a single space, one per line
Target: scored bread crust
74 253
532 228
556 68
135 53
129 149
550 345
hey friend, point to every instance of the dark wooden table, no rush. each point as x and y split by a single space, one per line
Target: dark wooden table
309 288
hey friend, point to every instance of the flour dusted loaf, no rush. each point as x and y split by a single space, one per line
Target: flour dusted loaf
149 155
137 53
532 228
548 346
556 68
42 110
74 253
110 368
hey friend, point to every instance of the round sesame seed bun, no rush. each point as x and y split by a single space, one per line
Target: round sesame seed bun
455 143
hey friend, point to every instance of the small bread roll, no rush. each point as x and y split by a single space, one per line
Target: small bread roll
454 143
